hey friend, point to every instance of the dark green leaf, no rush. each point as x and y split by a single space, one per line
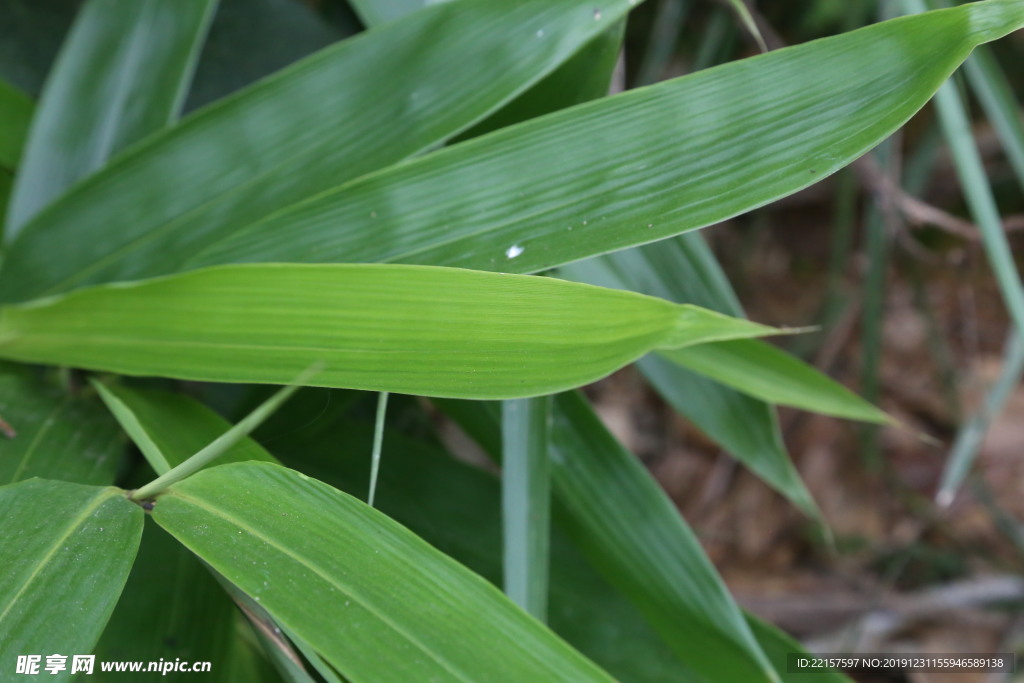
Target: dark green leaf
634 535
67 549
258 151
172 608
309 553
59 435
618 172
122 74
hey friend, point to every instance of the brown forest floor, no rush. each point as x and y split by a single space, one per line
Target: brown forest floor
905 576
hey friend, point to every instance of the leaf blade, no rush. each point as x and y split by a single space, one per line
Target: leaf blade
121 74
59 434
64 544
408 329
260 153
637 167
390 584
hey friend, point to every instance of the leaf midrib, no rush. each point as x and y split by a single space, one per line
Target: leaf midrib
318 571
77 522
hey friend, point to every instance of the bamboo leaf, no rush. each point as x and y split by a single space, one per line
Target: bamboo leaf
122 74
685 269
256 152
67 549
748 429
772 375
172 608
456 508
180 426
634 535
624 170
308 553
408 329
637 539
56 433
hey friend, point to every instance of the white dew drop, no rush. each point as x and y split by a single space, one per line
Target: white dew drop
540 33
597 15
514 251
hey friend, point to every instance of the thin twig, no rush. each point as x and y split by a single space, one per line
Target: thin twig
920 213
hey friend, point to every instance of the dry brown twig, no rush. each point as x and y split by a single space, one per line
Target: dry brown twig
919 213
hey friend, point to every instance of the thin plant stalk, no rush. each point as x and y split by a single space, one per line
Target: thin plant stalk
526 502
378 442
223 443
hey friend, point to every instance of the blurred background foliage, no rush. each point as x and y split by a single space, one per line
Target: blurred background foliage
882 257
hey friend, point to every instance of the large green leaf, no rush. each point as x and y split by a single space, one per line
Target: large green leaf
318 123
16 111
58 434
377 602
634 534
122 74
176 426
614 173
172 608
67 549
409 329
456 508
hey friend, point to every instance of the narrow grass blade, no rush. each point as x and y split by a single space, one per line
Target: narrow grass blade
307 553
67 550
408 329
54 433
971 434
256 152
222 444
624 170
743 14
970 169
122 74
960 137
526 502
1002 109
16 111
996 96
